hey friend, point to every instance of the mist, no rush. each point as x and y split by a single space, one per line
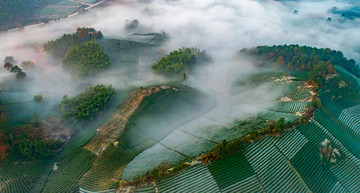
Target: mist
219 27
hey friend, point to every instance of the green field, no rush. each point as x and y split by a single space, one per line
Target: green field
182 122
62 7
22 177
291 161
277 160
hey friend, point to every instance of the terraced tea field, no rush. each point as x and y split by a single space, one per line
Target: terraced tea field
188 123
292 162
21 177
21 107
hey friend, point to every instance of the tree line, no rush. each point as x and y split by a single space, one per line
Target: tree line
319 61
60 46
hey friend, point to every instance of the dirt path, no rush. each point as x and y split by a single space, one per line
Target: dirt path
156 188
111 130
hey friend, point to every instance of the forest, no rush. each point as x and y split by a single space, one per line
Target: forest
86 59
302 58
180 60
60 46
25 143
87 104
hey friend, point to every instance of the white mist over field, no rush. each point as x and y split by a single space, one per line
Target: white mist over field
219 27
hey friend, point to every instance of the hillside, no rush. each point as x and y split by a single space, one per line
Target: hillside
157 122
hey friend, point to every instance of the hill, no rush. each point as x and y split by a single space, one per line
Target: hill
178 61
86 59
292 125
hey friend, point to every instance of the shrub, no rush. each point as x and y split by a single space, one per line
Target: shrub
38 98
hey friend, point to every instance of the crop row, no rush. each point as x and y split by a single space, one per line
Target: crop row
349 164
15 97
317 176
272 167
24 111
336 100
339 130
20 177
351 117
290 107
69 171
290 143
196 179
230 170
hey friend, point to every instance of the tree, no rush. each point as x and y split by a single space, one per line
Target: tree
161 170
308 112
38 98
9 59
82 34
15 69
86 59
302 57
280 61
316 103
3 152
271 55
62 45
331 69
8 66
20 75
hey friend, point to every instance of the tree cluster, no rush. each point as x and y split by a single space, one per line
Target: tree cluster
303 58
132 25
60 46
25 143
87 104
277 126
86 59
178 61
38 98
19 74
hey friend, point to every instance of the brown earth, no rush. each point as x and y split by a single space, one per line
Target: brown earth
111 130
